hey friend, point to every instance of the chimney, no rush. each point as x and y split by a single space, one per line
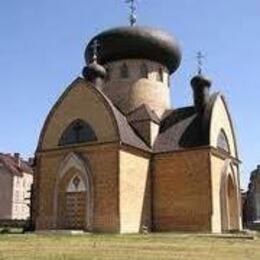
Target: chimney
200 86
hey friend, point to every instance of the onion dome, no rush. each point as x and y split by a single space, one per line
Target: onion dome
94 71
135 42
200 81
201 95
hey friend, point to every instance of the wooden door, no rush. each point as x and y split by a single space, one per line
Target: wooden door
75 213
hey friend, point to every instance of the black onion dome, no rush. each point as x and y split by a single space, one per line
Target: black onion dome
94 70
135 42
200 81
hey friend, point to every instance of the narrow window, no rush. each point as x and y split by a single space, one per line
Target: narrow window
168 80
160 75
144 71
124 73
222 142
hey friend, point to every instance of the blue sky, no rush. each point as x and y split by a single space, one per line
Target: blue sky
42 45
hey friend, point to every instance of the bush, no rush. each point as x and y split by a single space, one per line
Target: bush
5 230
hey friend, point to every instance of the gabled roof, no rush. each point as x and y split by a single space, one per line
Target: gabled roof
126 132
184 128
143 113
14 166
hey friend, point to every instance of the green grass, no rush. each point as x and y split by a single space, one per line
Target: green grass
154 246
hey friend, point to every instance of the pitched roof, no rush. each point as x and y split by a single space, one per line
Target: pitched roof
143 113
184 128
14 166
126 133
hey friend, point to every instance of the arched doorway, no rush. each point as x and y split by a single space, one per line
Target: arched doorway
72 201
73 195
229 202
232 204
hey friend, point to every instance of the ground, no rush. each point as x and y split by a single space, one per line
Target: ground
155 246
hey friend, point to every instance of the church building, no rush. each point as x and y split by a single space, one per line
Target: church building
115 156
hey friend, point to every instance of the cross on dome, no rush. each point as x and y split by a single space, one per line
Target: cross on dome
200 57
133 8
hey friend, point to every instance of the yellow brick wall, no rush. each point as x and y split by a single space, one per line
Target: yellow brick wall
134 192
81 102
218 170
217 165
182 191
220 120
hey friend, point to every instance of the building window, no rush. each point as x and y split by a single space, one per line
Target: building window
144 71
160 75
222 141
77 132
124 72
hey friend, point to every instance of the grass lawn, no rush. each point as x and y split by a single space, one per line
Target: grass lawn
154 246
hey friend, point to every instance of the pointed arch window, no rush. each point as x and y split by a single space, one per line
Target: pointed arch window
144 71
77 132
124 71
222 141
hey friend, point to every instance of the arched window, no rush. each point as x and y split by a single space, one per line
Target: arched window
222 142
124 73
160 75
144 71
78 132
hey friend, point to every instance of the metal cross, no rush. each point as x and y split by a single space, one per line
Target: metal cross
200 57
95 45
133 8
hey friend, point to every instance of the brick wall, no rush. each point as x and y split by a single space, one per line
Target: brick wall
103 163
134 192
182 191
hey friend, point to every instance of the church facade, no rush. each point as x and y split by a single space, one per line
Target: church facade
114 156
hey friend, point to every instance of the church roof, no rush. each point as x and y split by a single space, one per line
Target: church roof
14 166
126 132
183 128
136 42
143 113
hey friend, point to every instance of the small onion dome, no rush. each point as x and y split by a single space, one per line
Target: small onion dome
200 81
135 42
94 71
201 95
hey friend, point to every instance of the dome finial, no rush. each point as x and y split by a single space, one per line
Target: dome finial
133 8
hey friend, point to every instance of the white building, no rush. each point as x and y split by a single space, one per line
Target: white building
16 177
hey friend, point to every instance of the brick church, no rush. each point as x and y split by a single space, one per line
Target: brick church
115 156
